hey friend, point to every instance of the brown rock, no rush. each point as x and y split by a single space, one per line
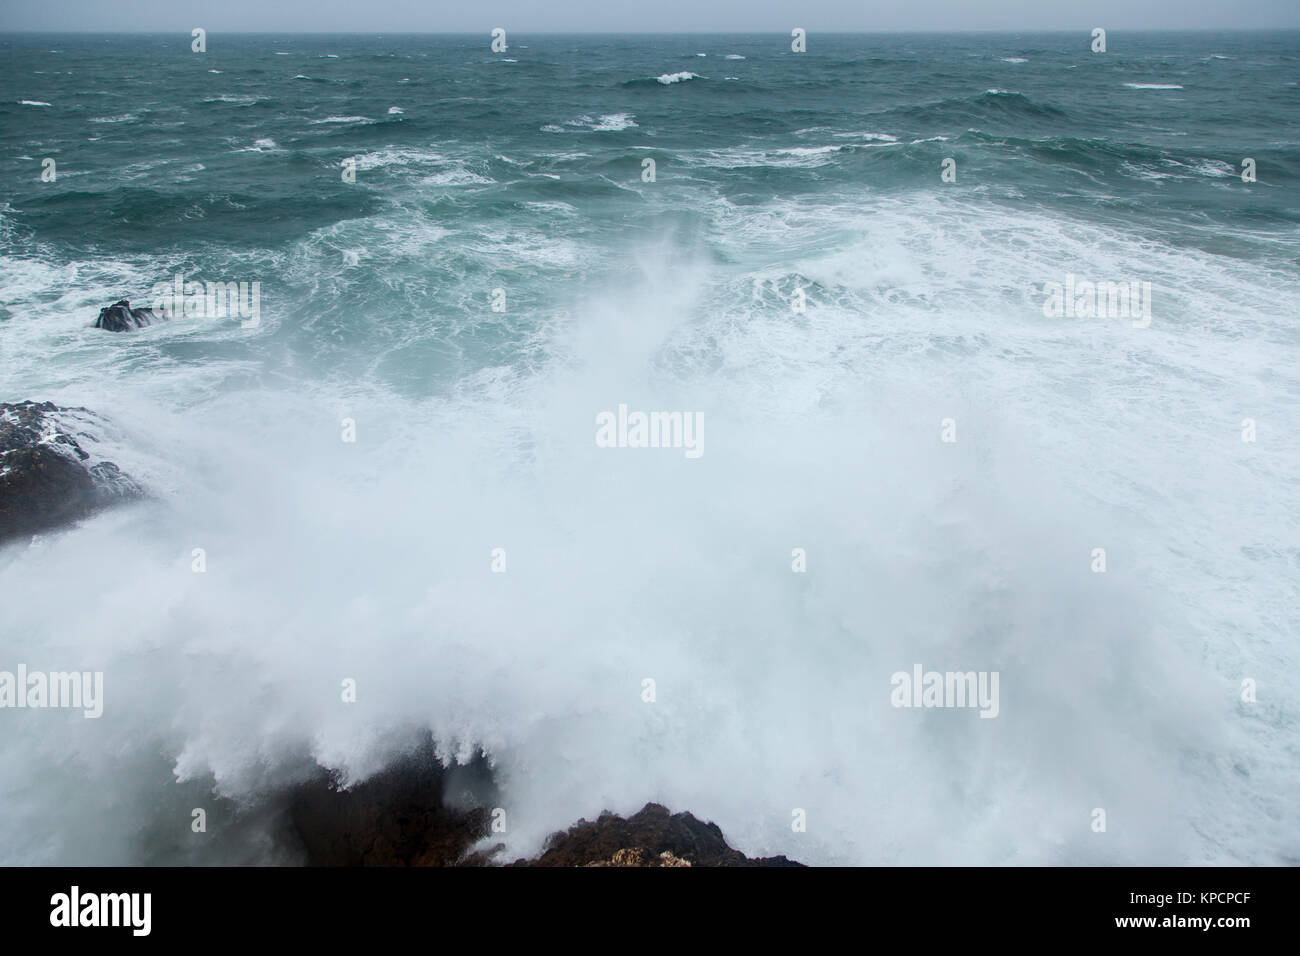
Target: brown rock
641 857
651 837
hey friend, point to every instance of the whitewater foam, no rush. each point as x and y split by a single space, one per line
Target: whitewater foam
917 551
371 559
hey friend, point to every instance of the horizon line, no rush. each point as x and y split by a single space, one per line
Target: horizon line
517 31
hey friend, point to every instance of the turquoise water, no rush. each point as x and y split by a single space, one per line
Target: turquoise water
776 174
227 163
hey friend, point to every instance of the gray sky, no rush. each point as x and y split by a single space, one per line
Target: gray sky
658 16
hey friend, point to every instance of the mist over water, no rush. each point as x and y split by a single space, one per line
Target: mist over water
371 560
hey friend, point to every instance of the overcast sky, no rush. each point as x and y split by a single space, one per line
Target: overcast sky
658 16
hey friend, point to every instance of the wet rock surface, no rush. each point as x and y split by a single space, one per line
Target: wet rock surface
47 477
120 317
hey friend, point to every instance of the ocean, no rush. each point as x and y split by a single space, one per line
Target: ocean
871 274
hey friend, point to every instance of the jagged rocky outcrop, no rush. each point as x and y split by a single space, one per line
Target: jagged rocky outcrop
47 478
420 814
120 317
651 837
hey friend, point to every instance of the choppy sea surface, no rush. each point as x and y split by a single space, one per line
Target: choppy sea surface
778 176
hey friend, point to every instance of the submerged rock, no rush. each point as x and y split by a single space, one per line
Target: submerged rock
120 317
47 478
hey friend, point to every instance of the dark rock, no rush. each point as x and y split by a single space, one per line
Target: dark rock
419 813
651 837
403 817
46 477
120 317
